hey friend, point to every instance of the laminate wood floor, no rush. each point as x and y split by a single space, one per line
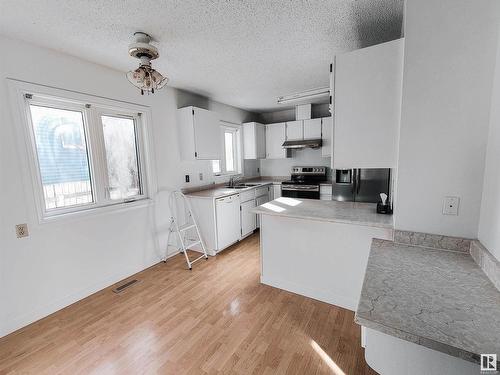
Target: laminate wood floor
215 319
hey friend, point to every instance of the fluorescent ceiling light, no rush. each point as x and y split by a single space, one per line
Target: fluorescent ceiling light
304 95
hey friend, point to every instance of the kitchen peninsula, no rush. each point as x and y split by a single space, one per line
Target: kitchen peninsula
319 249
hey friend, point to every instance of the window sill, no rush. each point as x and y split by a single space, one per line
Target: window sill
97 211
228 174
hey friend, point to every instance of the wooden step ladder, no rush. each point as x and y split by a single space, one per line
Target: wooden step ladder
177 198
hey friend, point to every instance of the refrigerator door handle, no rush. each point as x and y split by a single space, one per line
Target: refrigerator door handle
353 184
358 182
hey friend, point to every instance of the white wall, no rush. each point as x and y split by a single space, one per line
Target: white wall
63 261
489 223
450 49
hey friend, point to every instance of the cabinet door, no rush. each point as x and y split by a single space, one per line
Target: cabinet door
228 221
260 139
254 141
275 136
207 135
248 218
312 128
294 130
259 201
249 141
276 191
368 85
327 136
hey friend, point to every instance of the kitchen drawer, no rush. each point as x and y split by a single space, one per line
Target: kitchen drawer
325 189
263 190
247 195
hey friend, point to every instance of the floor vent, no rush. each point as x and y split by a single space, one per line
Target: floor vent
124 286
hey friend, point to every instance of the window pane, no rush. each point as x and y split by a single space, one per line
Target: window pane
216 166
62 156
228 144
121 157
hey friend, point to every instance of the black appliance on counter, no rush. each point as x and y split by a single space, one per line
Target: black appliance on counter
304 182
361 185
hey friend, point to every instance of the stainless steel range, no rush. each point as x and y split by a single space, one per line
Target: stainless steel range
304 182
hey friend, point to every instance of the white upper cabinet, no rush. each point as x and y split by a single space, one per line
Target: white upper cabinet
327 136
275 136
254 140
199 134
294 130
312 128
367 106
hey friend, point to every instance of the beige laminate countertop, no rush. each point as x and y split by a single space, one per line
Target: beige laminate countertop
221 191
437 298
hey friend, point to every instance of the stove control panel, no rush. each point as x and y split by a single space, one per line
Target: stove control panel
308 170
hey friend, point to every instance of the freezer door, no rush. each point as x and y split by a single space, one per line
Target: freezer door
369 183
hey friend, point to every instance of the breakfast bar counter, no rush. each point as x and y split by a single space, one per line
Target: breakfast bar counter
319 249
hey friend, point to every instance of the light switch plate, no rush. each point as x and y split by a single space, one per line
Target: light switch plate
22 230
450 205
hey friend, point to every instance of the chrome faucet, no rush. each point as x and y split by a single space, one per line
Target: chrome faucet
232 180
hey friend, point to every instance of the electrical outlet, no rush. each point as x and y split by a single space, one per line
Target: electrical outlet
201 176
258 170
187 178
22 230
450 205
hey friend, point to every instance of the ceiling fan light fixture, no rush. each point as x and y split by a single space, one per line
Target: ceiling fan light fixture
145 77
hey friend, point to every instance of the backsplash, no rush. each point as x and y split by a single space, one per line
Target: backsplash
486 261
435 241
282 167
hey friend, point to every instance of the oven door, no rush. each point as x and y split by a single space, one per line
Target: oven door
300 191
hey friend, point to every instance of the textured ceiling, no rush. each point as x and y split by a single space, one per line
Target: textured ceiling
243 53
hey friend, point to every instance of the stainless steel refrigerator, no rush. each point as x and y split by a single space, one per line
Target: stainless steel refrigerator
361 185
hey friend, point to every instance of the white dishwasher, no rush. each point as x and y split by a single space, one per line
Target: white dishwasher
228 220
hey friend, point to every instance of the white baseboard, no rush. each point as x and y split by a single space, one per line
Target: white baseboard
328 296
17 322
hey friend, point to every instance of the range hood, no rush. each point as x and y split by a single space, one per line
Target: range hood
303 143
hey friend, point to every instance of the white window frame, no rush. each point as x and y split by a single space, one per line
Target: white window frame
24 94
236 129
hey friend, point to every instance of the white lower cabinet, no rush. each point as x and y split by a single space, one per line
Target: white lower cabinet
264 198
224 221
276 191
325 192
227 211
248 218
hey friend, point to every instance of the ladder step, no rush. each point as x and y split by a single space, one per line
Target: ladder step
197 259
186 227
192 244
